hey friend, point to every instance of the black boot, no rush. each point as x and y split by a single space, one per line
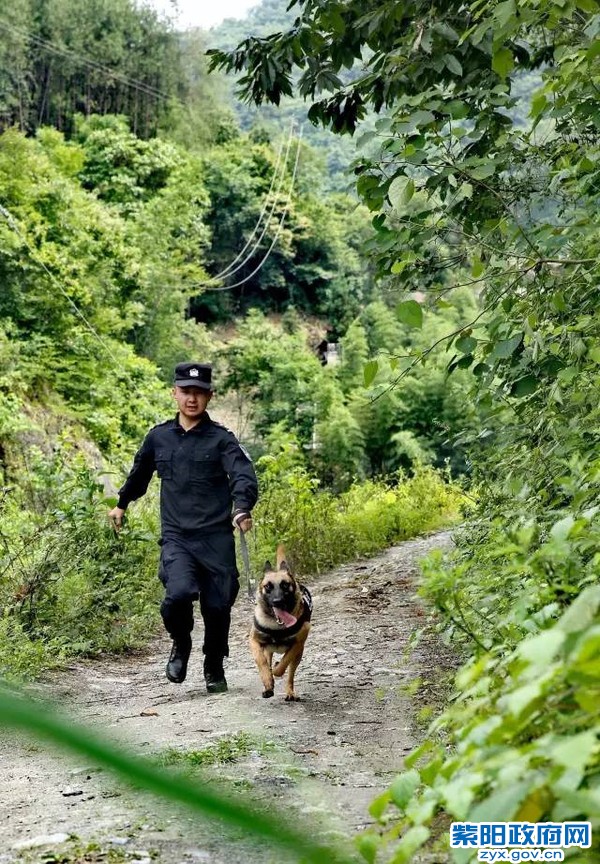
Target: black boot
214 675
178 661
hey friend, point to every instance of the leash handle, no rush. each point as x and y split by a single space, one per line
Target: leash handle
246 560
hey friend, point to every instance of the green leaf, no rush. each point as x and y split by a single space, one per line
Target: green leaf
502 804
401 190
522 698
502 62
561 529
466 344
457 109
21 714
507 347
535 805
460 792
504 12
365 138
421 808
477 267
540 649
404 787
384 124
452 64
538 104
410 842
368 846
594 354
568 374
413 757
582 611
446 31
409 312
465 190
587 699
524 386
575 751
588 646
422 118
370 371
483 170
430 771
378 805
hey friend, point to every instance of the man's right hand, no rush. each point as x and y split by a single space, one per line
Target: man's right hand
242 520
116 517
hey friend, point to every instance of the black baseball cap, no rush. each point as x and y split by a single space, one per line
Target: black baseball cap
193 375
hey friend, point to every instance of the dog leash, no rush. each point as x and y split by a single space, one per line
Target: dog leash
246 560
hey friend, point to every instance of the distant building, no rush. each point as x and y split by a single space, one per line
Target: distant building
328 353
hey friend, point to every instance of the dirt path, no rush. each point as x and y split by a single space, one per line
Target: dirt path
325 757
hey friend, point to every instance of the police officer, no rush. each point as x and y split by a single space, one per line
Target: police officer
207 484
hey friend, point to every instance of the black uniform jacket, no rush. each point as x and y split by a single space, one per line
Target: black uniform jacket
203 472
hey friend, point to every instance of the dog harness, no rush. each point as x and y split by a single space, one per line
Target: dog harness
277 637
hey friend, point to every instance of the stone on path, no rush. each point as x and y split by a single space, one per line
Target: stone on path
41 840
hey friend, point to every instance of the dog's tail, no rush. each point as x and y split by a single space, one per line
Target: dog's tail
281 559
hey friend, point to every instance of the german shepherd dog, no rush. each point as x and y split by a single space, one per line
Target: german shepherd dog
281 625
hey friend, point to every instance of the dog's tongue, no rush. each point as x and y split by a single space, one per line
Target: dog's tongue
284 617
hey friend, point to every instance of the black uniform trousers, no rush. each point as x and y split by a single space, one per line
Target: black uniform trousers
200 567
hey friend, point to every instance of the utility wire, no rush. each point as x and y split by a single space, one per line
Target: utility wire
13 224
93 64
226 270
277 233
152 91
148 90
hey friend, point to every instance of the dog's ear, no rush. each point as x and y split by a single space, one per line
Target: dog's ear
268 567
284 566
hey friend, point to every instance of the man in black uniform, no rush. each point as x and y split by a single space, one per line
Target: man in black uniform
207 484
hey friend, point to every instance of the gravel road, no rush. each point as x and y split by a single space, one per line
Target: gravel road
321 760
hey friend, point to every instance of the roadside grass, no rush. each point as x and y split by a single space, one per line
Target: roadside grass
321 529
227 750
76 851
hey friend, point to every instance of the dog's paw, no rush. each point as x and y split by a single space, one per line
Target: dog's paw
291 697
267 694
277 671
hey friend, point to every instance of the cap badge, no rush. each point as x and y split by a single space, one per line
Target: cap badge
194 373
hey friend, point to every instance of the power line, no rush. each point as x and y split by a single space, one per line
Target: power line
277 233
13 224
227 271
147 89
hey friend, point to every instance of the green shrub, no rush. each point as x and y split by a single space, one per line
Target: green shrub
69 585
23 657
518 740
320 529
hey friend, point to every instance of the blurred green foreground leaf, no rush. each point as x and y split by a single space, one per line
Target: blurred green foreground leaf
38 719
